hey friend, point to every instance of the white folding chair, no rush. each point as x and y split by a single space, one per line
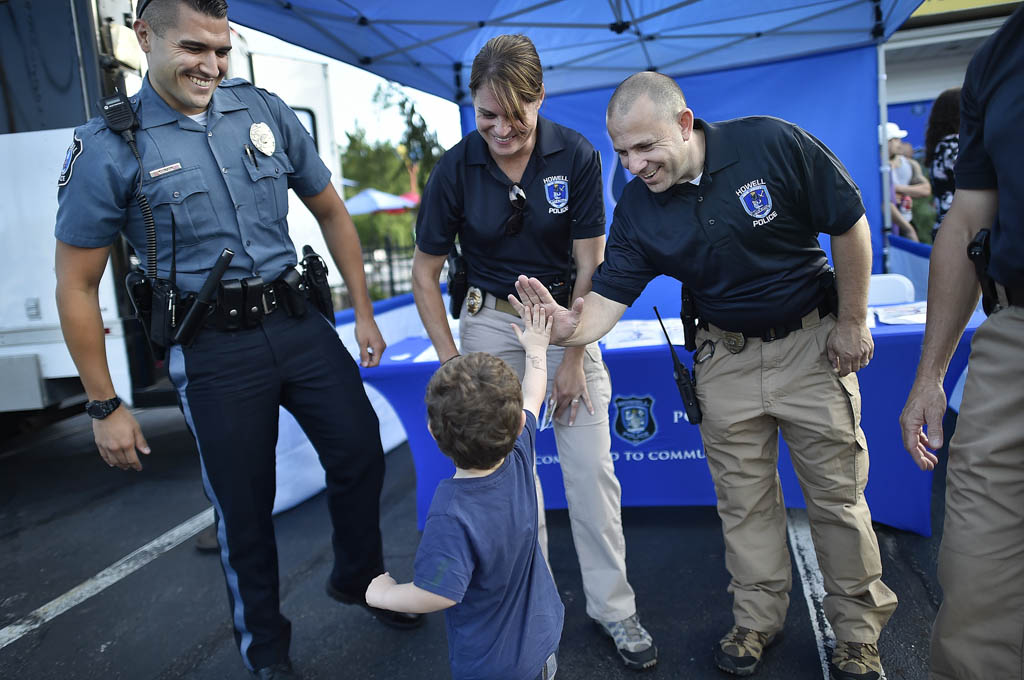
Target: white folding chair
890 289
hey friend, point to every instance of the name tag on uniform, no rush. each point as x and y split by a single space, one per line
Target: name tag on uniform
164 170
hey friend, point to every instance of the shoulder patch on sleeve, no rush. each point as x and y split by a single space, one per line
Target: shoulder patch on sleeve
74 151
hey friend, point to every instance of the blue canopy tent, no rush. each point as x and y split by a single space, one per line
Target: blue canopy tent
814 62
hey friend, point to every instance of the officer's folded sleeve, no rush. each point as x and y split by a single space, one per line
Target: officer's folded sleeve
833 199
92 202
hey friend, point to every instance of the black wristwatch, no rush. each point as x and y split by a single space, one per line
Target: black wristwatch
101 409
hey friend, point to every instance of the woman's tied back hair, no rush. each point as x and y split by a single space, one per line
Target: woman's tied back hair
474 407
509 65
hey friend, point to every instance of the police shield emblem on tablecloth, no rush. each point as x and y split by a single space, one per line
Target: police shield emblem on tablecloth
634 420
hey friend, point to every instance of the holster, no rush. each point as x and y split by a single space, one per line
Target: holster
688 315
458 284
314 272
979 252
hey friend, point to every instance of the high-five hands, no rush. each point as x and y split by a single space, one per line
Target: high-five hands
563 321
534 338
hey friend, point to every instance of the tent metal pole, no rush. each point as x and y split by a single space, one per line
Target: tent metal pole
883 168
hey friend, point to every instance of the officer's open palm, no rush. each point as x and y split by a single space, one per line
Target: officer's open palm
563 321
924 409
118 437
371 343
850 347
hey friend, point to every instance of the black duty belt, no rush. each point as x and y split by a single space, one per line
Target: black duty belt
244 303
781 330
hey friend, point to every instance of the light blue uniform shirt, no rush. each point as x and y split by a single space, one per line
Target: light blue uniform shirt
219 195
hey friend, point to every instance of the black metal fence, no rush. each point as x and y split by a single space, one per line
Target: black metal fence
388 270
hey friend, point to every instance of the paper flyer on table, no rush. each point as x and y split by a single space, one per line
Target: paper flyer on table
910 313
643 333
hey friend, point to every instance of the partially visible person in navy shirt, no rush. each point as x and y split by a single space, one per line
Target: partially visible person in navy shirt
979 629
479 558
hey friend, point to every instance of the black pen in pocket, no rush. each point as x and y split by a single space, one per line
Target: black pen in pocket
252 157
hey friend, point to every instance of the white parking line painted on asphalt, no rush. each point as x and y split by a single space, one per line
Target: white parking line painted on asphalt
107 577
814 583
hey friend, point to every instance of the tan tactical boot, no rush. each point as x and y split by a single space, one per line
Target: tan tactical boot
855 661
740 651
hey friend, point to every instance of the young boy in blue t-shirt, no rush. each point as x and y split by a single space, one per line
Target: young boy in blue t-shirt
479 558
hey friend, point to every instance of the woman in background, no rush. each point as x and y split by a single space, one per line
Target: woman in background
941 148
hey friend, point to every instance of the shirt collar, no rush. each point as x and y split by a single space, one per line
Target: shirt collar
548 142
719 152
157 112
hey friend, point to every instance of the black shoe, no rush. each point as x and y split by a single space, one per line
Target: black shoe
386 616
277 671
206 540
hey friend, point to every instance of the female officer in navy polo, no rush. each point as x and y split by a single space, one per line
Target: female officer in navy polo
524 194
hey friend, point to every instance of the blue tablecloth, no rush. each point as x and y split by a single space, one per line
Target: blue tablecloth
668 466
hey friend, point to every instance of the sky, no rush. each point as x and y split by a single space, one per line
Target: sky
352 96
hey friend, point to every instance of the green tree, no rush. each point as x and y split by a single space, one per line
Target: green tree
422 150
378 165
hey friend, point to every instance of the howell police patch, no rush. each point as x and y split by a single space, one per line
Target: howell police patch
74 151
755 198
556 190
634 421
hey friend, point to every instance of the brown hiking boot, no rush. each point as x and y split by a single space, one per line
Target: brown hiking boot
855 661
740 651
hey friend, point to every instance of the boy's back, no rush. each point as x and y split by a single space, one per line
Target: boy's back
480 549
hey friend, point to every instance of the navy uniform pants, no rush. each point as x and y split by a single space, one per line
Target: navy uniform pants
231 385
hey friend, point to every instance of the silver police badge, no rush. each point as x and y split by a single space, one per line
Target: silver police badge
474 300
263 138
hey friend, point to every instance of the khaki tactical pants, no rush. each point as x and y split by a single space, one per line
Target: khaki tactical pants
591 487
747 398
979 632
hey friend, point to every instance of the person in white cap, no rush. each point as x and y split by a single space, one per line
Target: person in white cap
908 182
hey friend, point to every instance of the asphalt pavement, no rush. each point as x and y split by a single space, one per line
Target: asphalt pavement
66 517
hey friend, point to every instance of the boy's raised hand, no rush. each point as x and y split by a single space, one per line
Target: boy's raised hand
537 333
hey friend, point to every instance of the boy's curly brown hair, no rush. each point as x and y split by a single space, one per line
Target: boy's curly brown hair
474 408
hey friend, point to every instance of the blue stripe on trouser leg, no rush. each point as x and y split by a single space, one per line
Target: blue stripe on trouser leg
231 386
229 391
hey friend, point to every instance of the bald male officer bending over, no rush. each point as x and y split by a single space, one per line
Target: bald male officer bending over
733 209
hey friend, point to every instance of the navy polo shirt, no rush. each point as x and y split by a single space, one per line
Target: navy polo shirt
991 148
467 196
746 239
219 196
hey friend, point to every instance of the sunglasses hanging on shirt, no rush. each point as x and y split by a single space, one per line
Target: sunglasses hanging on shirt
517 197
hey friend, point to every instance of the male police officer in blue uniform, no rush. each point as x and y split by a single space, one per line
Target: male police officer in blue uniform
217 160
733 209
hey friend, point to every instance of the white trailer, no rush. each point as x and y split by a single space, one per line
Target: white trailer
89 51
